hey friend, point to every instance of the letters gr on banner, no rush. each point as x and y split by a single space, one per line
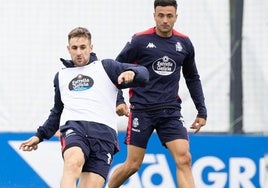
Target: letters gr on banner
229 161
241 172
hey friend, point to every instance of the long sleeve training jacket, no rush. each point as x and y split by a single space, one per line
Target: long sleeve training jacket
109 71
164 58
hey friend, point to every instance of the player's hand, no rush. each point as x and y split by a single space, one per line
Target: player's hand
122 110
30 144
197 124
126 77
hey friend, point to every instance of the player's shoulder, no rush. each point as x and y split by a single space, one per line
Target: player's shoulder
152 31
182 38
109 63
149 31
146 32
139 37
179 34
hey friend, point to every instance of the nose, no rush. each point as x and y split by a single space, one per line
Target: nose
165 19
78 51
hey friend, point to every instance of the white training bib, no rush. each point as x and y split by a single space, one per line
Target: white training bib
88 94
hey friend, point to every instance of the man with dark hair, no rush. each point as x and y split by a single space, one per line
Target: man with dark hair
157 106
85 111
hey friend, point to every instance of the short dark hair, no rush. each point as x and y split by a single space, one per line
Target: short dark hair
79 32
165 3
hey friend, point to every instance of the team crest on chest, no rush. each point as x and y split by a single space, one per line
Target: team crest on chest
81 83
178 47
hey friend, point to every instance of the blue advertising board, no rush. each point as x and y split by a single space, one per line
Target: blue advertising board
222 161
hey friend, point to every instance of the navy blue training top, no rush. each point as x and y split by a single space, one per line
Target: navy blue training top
164 58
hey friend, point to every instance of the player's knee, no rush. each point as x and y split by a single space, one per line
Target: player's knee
184 160
73 165
133 166
134 169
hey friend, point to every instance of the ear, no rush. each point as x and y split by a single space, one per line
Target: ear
68 48
154 16
91 47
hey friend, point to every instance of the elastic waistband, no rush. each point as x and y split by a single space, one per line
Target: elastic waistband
154 108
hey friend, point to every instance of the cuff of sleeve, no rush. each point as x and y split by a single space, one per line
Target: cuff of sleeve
120 102
202 116
39 136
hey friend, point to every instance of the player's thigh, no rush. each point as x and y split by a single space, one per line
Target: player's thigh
135 154
179 149
74 155
90 180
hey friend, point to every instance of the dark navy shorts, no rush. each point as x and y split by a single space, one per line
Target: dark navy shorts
168 124
98 152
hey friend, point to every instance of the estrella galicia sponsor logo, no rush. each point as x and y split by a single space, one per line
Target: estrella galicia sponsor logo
81 83
164 66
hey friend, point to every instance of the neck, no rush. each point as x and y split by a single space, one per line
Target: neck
163 34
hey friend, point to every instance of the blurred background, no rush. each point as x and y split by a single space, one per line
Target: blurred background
230 39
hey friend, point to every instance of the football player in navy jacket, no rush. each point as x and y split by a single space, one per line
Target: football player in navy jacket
85 112
165 52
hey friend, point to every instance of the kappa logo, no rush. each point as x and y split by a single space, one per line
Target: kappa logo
109 159
182 120
69 132
150 45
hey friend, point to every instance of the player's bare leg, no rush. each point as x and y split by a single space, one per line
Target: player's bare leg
73 162
130 166
179 149
91 180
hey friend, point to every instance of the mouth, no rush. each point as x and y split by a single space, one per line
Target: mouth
165 26
79 59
